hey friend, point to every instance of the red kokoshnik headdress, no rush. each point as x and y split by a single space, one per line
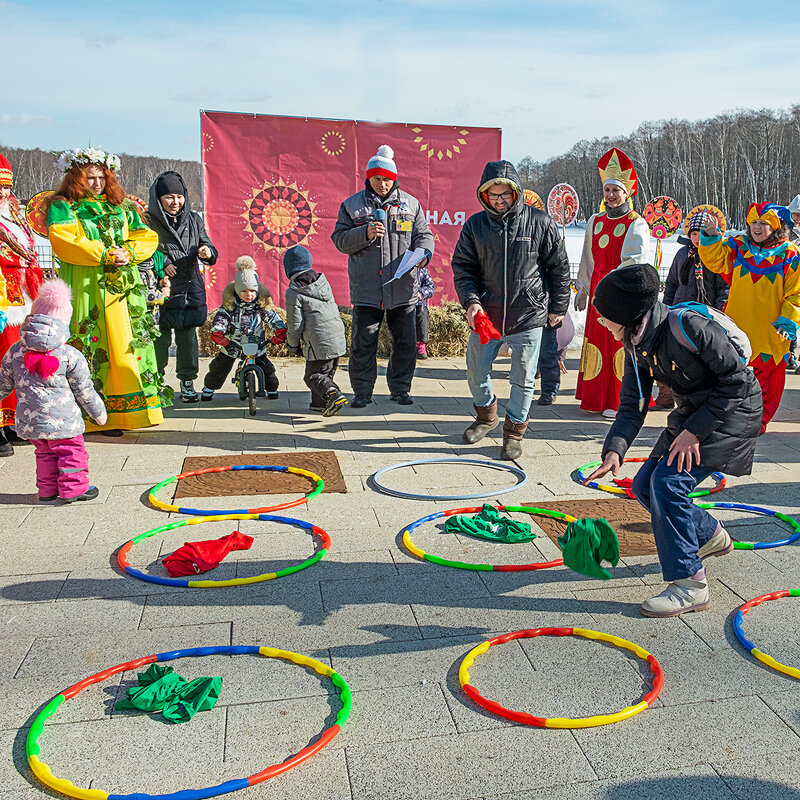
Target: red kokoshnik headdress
615 167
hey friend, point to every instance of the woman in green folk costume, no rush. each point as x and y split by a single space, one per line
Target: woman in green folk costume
99 238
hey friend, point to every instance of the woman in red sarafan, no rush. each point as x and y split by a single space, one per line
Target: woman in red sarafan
23 277
615 237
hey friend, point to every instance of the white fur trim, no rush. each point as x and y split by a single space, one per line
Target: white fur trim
16 314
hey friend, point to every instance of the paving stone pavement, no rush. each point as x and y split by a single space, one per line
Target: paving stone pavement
725 727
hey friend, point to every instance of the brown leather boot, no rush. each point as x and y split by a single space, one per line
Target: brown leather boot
512 439
487 420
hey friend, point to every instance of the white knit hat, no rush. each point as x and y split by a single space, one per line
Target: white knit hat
382 164
246 275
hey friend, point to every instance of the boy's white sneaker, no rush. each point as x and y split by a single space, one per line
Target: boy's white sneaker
679 597
720 544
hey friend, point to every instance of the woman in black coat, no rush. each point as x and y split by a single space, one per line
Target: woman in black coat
183 240
714 426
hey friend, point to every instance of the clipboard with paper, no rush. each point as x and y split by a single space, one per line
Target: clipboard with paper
409 260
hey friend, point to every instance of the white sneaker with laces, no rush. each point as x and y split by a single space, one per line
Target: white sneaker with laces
679 597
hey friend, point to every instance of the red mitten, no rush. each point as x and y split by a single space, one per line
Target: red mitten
218 337
624 483
484 328
279 337
196 557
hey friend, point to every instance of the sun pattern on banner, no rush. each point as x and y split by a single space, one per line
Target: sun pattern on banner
279 215
333 143
427 147
208 142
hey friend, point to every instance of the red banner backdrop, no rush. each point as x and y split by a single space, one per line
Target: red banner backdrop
270 183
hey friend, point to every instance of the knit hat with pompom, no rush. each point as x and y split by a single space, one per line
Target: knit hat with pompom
54 300
382 164
246 275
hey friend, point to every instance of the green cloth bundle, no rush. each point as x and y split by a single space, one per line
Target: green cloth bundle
488 524
586 543
162 689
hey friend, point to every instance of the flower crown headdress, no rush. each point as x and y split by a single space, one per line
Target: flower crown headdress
82 156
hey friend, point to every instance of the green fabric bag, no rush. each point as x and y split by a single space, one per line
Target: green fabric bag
586 543
162 689
488 524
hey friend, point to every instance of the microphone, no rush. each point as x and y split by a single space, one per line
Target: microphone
380 216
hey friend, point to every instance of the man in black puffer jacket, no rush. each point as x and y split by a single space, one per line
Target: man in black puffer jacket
505 257
183 240
714 426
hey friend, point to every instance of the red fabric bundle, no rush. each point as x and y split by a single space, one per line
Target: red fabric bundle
196 557
484 328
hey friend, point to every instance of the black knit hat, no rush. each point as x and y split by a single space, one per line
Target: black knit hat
170 183
296 259
626 294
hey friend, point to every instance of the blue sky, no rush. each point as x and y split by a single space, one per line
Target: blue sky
133 77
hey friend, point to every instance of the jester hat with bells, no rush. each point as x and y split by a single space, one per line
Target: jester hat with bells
615 167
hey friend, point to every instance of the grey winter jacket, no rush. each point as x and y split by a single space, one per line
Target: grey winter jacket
312 317
373 262
47 407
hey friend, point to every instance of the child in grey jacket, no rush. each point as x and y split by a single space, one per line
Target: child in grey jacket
53 383
313 321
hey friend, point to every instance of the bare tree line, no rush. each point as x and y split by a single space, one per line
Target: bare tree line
34 171
730 161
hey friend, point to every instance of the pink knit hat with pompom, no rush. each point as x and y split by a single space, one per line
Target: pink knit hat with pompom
54 300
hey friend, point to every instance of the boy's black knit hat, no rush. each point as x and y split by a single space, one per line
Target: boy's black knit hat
297 259
626 294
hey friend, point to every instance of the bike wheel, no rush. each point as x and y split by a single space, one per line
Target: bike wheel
251 393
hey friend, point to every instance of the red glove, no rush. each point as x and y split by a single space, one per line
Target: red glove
218 337
279 337
196 557
484 328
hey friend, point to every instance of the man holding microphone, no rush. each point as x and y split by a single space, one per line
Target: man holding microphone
375 228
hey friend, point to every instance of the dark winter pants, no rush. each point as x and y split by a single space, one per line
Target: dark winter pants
423 322
220 368
62 467
364 348
549 369
319 378
186 367
679 526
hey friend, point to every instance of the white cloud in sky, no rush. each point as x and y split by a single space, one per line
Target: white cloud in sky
547 77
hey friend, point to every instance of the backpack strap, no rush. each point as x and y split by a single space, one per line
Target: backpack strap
675 319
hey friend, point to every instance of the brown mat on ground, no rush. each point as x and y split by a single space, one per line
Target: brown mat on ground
626 517
245 482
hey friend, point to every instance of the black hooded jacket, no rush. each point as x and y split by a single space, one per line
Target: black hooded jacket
718 398
179 239
514 264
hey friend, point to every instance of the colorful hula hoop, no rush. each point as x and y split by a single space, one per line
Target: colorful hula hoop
122 555
604 487
748 645
45 775
414 496
792 523
561 722
235 468
412 548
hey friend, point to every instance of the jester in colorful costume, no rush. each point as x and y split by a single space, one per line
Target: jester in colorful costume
615 237
763 269
99 239
22 277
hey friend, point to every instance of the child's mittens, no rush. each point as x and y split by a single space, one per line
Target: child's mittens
279 337
219 337
103 418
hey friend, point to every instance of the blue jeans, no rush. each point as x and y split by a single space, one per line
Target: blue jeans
679 526
524 359
549 369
